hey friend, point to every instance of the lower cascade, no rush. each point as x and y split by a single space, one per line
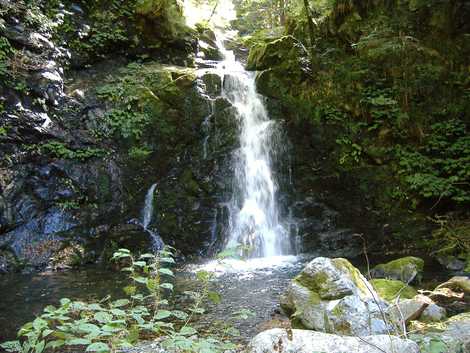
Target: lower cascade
146 218
255 220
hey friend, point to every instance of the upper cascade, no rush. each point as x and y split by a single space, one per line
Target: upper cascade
255 221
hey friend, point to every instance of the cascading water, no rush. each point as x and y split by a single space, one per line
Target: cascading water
255 221
146 218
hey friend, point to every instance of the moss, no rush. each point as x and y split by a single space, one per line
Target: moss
315 284
314 298
189 183
355 274
267 55
389 289
403 268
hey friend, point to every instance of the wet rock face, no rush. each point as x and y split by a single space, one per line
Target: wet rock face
46 206
331 295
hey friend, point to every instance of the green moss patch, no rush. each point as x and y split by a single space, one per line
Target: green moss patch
390 289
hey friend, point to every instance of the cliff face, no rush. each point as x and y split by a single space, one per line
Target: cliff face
96 106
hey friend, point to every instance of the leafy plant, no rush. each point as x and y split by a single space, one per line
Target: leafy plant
110 325
60 150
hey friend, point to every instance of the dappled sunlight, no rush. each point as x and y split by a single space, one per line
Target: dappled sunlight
217 14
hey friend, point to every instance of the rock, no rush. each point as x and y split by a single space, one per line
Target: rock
405 269
212 83
8 262
304 341
390 289
419 308
266 55
451 263
433 313
331 295
452 336
460 284
453 294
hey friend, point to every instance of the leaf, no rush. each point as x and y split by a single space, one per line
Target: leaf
65 301
179 314
197 310
78 342
99 347
55 344
162 314
39 346
11 346
187 331
169 260
88 328
140 263
39 324
130 290
103 317
46 332
167 286
151 284
203 276
214 297
118 312
140 279
166 271
147 256
120 303
95 307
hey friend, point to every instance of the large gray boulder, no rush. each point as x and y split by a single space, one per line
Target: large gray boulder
304 341
332 296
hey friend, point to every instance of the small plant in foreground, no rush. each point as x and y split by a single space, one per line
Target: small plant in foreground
110 325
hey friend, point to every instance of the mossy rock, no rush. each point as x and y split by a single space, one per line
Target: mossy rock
267 55
405 269
389 289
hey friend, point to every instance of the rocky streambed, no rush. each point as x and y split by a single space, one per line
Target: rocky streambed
300 304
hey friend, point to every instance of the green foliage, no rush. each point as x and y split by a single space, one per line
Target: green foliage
60 150
6 52
139 153
110 325
141 96
440 167
451 238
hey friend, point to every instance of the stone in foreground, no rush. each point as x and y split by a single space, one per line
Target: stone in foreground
331 295
304 341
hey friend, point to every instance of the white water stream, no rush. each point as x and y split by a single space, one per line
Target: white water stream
146 218
255 221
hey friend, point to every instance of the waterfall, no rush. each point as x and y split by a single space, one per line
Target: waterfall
146 218
255 220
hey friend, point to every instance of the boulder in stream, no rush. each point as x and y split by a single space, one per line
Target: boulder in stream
405 269
304 341
332 296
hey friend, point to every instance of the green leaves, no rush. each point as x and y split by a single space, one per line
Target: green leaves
98 347
120 303
166 271
103 317
162 314
101 325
